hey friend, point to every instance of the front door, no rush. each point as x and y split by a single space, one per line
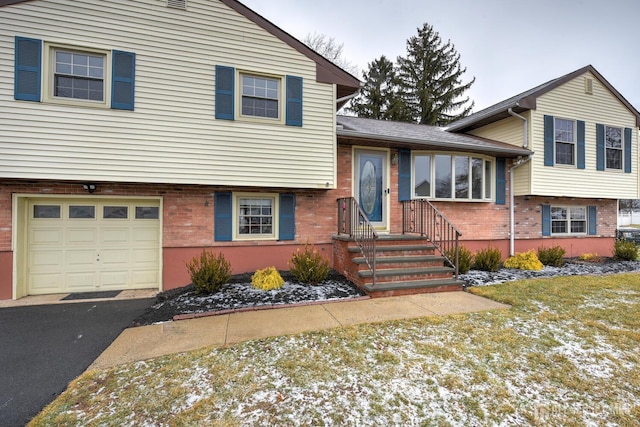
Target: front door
371 185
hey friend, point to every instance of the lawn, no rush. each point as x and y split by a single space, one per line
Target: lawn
566 353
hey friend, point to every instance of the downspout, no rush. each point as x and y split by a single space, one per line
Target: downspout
519 162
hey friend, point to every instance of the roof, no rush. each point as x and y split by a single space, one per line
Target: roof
326 71
527 101
420 137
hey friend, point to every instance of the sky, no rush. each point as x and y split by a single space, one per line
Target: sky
508 46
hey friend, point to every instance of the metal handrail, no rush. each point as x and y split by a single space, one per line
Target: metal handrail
353 221
419 216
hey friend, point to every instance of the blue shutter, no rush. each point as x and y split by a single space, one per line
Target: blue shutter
599 147
581 145
225 99
592 215
28 69
548 141
627 150
287 220
294 101
501 181
123 79
223 217
404 175
546 220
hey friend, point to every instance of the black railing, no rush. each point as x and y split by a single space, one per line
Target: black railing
419 216
353 221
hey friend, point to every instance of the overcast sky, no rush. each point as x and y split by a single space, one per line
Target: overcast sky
509 46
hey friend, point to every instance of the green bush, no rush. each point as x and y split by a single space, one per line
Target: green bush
487 259
524 261
267 279
308 266
625 250
465 258
551 256
209 271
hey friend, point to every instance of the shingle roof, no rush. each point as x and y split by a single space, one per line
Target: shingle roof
527 101
420 137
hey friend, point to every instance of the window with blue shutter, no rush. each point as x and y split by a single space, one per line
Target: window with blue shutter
287 220
123 80
28 69
404 175
223 217
501 181
599 147
627 149
225 101
546 220
592 212
581 144
294 101
548 141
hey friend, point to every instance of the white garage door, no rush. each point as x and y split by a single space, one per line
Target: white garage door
92 244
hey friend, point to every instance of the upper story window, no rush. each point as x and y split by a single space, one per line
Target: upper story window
613 147
565 141
78 75
260 96
53 72
446 176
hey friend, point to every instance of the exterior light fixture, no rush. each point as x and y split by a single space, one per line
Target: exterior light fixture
89 187
394 159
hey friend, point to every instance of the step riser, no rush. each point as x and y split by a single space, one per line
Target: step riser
401 264
413 291
407 277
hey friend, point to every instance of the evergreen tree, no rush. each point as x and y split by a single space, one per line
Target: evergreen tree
431 80
378 98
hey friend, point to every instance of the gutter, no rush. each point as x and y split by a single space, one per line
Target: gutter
525 136
519 162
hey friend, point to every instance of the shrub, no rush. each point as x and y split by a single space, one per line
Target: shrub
267 279
487 259
209 271
465 258
524 261
590 258
551 256
625 250
308 266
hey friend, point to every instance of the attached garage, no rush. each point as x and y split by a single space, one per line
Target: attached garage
85 244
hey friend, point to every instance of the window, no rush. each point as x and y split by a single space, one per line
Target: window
260 96
565 141
115 212
255 216
77 212
46 211
568 220
78 75
446 176
613 147
147 212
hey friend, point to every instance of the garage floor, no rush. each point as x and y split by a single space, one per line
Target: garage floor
58 298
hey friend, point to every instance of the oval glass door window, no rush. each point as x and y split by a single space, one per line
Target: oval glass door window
368 187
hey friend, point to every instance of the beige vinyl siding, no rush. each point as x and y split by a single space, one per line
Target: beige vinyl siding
570 101
172 136
509 130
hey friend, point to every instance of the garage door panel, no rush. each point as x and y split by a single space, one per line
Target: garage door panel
81 281
110 257
45 259
145 278
78 236
46 283
145 256
81 257
116 236
148 235
46 236
114 279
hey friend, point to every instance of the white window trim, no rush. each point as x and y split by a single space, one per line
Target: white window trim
573 165
621 168
236 216
568 220
238 97
484 199
48 71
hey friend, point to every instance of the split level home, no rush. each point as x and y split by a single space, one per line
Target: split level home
127 149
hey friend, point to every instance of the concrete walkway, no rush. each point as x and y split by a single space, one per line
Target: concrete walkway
146 342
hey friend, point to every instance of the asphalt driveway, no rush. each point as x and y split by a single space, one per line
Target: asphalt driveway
43 348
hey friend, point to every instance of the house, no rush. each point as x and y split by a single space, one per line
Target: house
197 124
128 148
